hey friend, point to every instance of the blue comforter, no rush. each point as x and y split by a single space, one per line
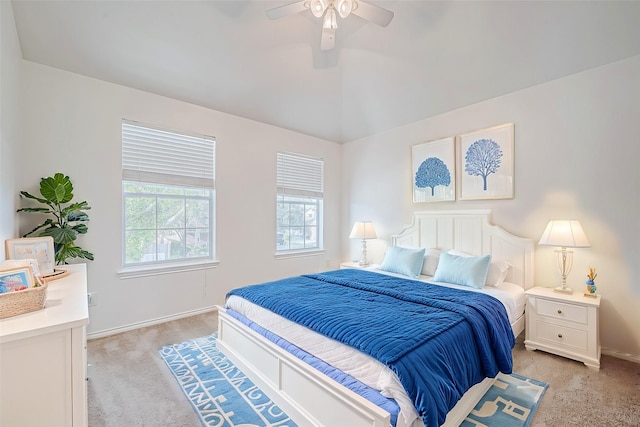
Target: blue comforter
439 341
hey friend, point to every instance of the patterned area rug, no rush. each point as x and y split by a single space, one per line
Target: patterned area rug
220 393
223 396
510 402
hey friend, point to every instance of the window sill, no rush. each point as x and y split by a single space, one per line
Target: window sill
298 254
155 270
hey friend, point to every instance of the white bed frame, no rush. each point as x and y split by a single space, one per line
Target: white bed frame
312 399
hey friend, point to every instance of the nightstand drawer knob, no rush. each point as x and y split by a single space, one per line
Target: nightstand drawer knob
559 311
559 335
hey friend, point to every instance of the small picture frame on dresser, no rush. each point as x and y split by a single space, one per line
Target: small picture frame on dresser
38 248
16 279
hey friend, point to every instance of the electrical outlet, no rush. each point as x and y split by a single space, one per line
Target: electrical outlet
91 299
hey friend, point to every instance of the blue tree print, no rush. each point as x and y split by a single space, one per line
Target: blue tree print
431 173
482 159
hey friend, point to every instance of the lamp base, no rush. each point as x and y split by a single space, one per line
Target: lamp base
563 290
363 263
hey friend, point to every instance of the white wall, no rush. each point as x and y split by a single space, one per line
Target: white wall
72 125
577 145
10 83
576 157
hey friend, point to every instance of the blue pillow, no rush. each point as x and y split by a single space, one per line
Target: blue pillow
462 270
403 261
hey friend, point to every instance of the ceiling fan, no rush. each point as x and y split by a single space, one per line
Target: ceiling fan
329 10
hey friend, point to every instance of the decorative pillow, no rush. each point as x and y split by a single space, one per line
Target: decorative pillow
497 269
431 258
462 270
403 261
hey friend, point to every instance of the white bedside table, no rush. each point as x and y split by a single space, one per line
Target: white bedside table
566 325
356 264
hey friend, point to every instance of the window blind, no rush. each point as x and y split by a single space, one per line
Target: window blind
162 157
299 175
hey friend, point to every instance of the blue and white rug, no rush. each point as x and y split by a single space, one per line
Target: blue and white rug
510 402
223 396
220 393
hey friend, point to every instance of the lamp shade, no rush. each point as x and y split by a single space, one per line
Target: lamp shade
363 230
566 234
318 7
344 7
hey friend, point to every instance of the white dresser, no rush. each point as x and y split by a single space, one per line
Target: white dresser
566 325
43 358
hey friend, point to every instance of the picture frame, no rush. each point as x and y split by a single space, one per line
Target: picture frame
14 279
38 248
485 163
433 171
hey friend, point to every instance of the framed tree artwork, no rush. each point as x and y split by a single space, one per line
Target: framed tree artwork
485 163
434 178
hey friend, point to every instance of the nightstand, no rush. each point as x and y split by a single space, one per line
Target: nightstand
356 264
566 325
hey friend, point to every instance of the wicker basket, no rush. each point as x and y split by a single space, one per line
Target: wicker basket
20 302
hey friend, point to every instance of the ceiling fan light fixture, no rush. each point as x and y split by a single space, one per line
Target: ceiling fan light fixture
318 7
345 7
328 11
330 21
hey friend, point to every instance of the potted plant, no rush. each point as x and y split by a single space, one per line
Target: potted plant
67 222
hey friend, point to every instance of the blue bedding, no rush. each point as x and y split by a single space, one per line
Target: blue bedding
439 341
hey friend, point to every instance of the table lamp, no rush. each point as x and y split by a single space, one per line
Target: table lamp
565 234
363 230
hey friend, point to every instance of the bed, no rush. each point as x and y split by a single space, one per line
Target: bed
308 394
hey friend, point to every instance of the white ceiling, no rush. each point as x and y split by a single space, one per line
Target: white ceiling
435 56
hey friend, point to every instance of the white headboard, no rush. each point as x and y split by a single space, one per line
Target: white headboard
470 231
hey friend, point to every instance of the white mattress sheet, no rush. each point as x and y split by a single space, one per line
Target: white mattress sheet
359 365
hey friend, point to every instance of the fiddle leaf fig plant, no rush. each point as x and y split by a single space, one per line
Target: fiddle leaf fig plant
67 222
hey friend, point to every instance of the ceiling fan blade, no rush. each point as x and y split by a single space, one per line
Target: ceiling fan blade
328 39
287 9
373 13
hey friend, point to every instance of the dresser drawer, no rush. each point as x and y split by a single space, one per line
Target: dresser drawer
561 311
562 336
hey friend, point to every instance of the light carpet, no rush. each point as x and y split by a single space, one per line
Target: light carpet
223 396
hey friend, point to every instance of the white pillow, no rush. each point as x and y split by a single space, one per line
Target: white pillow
457 252
431 258
497 273
498 270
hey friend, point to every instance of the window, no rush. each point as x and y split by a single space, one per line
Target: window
299 203
168 196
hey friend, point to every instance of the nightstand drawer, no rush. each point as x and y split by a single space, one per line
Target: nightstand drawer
559 310
562 336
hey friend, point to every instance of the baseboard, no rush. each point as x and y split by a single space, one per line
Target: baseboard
132 326
625 356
